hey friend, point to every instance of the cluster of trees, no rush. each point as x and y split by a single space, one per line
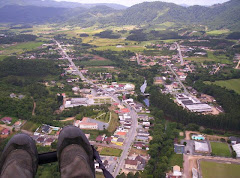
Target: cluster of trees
141 35
212 43
108 34
234 36
18 67
17 38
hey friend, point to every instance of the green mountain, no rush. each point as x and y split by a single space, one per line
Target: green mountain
219 16
224 15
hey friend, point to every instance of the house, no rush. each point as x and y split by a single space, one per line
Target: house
234 140
46 129
179 149
49 141
142 138
99 138
5 132
176 173
120 141
131 164
107 140
7 120
86 124
17 125
41 140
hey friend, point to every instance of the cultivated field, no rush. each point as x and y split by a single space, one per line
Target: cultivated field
219 170
220 149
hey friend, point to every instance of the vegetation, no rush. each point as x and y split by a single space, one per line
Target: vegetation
220 170
17 38
232 84
220 149
176 159
106 151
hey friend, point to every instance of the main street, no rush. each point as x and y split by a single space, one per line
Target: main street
180 53
180 82
133 130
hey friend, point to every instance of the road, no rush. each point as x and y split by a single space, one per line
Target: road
180 53
185 90
131 133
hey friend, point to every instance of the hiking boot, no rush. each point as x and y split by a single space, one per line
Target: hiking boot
75 154
19 157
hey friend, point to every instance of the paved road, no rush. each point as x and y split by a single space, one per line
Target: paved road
185 90
132 132
180 53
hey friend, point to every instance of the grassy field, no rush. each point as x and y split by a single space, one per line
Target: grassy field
30 126
232 84
20 47
220 149
114 123
219 170
176 159
110 152
211 57
217 32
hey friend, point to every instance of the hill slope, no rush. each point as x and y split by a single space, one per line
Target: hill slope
219 16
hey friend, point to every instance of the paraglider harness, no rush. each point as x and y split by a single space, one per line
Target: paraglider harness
51 157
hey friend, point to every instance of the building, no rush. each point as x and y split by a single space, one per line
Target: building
46 129
5 132
192 104
131 164
201 147
7 120
236 148
86 124
179 149
234 140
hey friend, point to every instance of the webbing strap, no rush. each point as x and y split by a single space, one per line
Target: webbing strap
96 156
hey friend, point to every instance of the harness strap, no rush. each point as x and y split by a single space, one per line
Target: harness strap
96 156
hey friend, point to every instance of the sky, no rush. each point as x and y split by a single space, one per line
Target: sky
132 2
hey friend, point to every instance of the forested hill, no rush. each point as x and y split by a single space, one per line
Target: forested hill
219 16
224 15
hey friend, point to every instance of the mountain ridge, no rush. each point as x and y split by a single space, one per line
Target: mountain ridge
225 15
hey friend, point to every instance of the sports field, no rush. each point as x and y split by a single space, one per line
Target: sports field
220 149
233 84
219 170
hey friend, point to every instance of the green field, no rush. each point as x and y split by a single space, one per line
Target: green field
211 57
110 152
219 170
217 32
176 159
20 47
233 84
220 149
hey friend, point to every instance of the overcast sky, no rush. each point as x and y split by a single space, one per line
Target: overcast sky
132 2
